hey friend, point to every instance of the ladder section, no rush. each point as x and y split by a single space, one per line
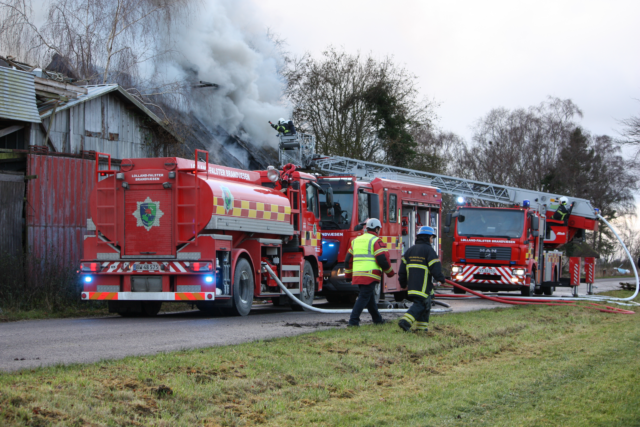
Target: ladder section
187 203
447 184
106 204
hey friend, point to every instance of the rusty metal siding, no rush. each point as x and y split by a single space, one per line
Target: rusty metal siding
11 201
58 206
18 96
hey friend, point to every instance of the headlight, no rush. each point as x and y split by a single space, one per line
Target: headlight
456 269
272 174
519 271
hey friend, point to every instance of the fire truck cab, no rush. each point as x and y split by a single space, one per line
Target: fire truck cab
511 248
345 206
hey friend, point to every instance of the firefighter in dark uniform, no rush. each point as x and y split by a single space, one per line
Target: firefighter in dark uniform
285 127
420 266
563 212
366 261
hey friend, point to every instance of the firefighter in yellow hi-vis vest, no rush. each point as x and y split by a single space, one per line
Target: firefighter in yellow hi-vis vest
420 265
365 262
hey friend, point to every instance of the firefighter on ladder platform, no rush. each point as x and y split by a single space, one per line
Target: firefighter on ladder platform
420 265
285 127
365 262
562 214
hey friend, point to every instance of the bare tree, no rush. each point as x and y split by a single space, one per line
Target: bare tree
99 41
329 99
519 147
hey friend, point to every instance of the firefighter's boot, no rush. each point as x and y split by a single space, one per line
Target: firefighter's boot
406 321
422 326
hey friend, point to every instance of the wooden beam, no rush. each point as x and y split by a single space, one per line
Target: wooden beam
51 95
56 90
10 129
63 86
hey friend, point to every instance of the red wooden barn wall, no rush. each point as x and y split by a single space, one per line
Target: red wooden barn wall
58 206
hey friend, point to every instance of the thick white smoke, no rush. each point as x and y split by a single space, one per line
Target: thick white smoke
223 42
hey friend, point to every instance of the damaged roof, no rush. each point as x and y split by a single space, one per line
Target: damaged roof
18 96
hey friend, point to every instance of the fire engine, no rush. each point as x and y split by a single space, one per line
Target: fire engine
511 248
401 209
172 229
494 248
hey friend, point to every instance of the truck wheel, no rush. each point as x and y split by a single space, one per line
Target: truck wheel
528 291
457 290
538 291
334 298
400 296
308 288
242 289
151 308
548 290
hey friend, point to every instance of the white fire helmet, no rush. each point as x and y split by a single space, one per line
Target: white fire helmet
563 200
373 223
282 121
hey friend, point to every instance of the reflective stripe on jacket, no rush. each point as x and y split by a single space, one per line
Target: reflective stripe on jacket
420 265
366 260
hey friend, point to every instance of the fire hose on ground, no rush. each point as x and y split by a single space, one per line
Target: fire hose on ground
556 301
340 311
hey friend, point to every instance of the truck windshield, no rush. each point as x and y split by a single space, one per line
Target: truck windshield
505 223
342 204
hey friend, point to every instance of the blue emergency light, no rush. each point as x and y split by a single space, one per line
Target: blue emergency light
526 203
88 279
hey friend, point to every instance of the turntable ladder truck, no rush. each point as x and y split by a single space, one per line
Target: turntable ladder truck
484 257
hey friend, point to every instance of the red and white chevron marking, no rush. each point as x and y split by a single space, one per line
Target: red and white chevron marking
469 270
119 267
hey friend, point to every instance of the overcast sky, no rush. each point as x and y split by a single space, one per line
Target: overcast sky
472 56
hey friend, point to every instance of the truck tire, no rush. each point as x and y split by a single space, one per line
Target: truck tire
151 308
457 290
243 287
528 291
308 288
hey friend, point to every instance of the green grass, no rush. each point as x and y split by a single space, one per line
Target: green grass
528 365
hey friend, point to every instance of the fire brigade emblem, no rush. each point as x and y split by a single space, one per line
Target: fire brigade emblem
148 214
228 199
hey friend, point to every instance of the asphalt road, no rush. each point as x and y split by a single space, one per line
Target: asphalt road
33 343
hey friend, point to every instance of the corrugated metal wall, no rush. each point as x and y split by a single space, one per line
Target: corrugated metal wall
102 124
18 96
11 201
58 206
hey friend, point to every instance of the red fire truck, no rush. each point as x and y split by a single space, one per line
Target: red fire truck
346 204
168 229
511 248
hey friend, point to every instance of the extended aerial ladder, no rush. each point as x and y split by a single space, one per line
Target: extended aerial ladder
298 149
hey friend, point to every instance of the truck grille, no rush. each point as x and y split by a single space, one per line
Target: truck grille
487 277
481 252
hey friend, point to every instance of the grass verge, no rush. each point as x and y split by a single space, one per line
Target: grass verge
529 365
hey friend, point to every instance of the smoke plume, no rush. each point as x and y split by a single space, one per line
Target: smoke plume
223 42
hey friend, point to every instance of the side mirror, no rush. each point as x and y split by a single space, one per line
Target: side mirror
535 226
447 221
446 228
329 196
374 205
330 212
359 226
